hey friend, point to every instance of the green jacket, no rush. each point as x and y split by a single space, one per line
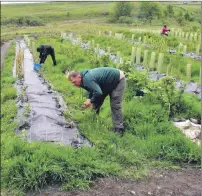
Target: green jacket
99 82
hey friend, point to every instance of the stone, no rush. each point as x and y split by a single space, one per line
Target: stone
190 129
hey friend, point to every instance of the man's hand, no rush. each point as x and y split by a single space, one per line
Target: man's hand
87 103
97 110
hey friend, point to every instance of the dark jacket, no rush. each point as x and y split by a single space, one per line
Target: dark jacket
99 82
44 50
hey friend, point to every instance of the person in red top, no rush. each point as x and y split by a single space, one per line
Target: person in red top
164 30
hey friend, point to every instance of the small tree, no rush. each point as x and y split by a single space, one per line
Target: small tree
122 9
150 10
180 19
170 10
166 13
187 16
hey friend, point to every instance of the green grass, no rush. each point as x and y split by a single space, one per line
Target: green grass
31 166
150 140
126 48
56 15
54 11
58 11
102 129
28 166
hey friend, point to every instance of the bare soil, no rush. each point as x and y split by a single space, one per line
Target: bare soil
161 182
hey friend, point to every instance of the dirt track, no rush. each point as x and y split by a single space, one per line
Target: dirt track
4 49
181 182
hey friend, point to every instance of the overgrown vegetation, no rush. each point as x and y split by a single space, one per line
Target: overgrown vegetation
28 166
157 44
150 139
23 21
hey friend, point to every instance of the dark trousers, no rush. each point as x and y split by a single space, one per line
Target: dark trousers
116 106
164 34
44 56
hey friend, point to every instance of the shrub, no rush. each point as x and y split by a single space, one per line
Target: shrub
122 9
150 10
23 21
136 82
125 19
112 20
191 105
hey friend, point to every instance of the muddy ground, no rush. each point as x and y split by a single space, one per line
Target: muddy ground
161 182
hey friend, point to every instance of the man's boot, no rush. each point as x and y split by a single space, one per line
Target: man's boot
119 131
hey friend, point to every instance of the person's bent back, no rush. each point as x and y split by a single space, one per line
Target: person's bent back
44 51
101 82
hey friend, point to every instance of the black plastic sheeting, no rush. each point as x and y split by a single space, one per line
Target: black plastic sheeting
45 121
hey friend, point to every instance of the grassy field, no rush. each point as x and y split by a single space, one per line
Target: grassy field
54 11
150 141
58 11
64 13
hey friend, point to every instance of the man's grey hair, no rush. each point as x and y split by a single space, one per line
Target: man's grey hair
72 74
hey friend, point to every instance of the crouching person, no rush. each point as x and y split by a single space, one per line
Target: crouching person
101 82
44 51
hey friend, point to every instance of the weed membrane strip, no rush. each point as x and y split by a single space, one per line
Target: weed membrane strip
44 121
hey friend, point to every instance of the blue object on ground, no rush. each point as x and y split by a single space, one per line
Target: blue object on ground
37 66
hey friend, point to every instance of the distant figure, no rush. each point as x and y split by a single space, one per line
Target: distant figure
46 50
165 30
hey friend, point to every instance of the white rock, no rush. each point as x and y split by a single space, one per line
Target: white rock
190 129
132 192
